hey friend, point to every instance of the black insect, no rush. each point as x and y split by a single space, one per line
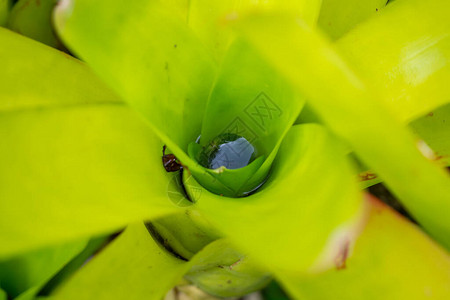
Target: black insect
170 162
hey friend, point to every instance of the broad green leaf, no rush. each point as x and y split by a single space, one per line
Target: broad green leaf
153 61
29 294
344 103
404 55
307 204
207 17
136 260
220 270
434 129
133 266
70 173
393 259
34 76
33 19
251 100
4 13
186 232
3 295
182 7
338 17
94 246
35 268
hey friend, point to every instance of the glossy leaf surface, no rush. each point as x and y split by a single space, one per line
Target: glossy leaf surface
32 269
69 173
289 221
35 76
393 259
350 110
62 144
208 17
434 129
133 266
222 271
251 100
153 61
403 54
338 17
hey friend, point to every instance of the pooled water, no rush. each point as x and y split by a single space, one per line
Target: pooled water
228 150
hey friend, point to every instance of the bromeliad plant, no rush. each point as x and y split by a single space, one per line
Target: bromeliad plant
268 113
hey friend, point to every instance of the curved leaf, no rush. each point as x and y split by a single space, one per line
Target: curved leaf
35 268
35 76
434 129
220 270
33 19
338 17
207 17
4 13
344 103
251 100
152 60
290 220
134 260
393 259
70 173
404 55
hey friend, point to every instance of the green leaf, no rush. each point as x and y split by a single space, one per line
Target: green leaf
393 259
71 173
434 129
35 76
33 19
154 62
32 269
133 266
338 17
44 287
34 80
346 106
207 17
4 13
290 221
181 7
220 270
94 246
404 56
249 99
3 295
186 232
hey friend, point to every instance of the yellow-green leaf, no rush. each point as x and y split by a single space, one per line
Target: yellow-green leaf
133 266
338 17
153 61
66 173
307 204
345 104
403 54
393 259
